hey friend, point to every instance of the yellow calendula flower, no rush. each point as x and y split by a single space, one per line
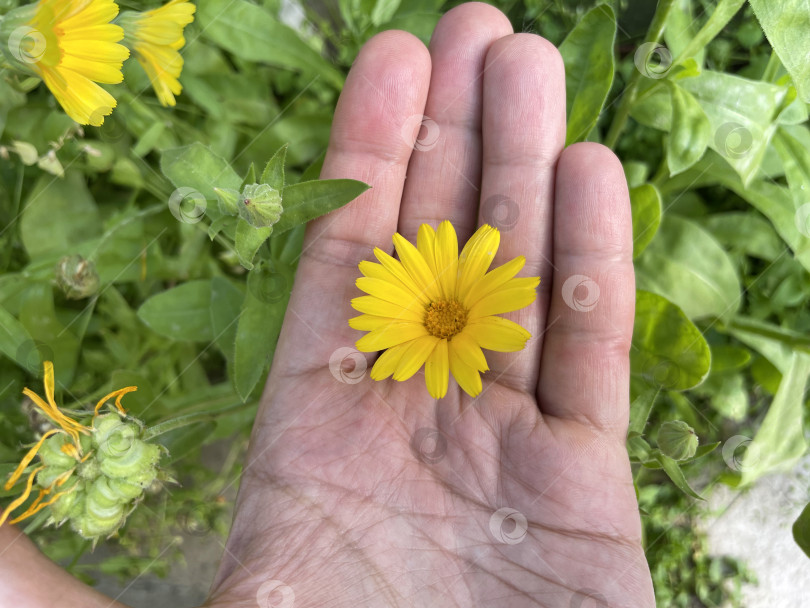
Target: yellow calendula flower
155 38
436 308
90 475
71 45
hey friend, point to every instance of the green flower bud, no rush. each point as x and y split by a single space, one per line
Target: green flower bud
48 475
677 440
77 277
124 488
260 205
61 509
89 469
51 453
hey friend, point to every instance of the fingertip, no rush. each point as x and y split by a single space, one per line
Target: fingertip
475 19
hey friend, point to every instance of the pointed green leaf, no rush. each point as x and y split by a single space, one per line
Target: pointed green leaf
780 442
686 265
669 352
588 56
801 530
180 313
307 200
259 326
645 204
690 131
195 166
786 24
273 174
250 32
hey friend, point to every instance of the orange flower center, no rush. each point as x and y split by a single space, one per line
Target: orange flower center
445 318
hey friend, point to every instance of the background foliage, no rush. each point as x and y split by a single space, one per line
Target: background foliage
707 112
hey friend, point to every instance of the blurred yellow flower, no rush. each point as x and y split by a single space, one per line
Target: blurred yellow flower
155 38
71 45
436 308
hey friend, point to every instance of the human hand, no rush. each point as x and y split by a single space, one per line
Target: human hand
341 502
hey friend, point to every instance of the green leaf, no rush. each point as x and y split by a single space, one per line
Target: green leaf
38 315
779 442
195 166
384 10
259 326
588 56
183 440
741 113
801 530
70 201
250 176
273 174
746 232
680 29
796 162
645 204
248 240
668 351
307 200
250 32
687 266
673 470
786 24
726 394
772 200
690 131
226 303
14 339
180 313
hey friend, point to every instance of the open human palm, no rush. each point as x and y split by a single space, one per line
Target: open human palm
364 493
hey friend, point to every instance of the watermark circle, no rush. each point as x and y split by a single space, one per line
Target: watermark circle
733 140
580 292
582 596
188 205
653 60
740 453
500 212
511 536
428 445
426 132
348 365
275 594
27 44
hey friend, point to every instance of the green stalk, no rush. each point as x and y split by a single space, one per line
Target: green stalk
722 14
654 33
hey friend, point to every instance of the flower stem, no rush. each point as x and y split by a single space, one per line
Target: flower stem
654 33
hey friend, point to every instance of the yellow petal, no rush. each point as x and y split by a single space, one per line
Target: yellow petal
468 351
437 370
26 459
369 322
467 377
390 292
426 245
494 279
396 268
390 335
413 358
447 259
417 268
375 306
388 361
513 295
21 499
499 334
378 271
476 257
